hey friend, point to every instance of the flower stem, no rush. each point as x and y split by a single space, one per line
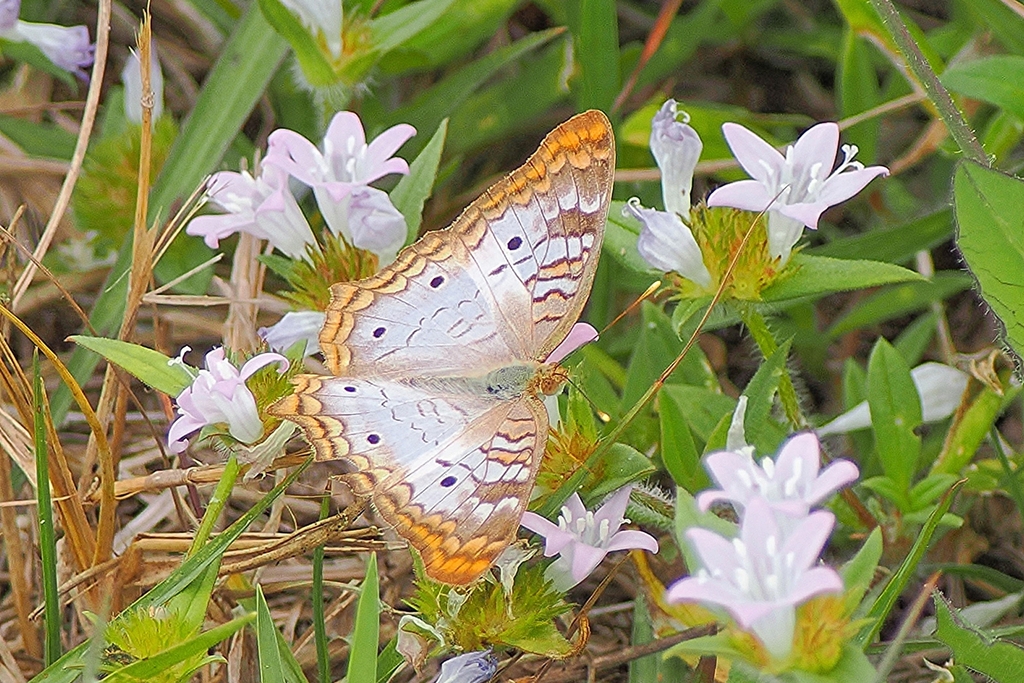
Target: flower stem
216 505
937 93
765 340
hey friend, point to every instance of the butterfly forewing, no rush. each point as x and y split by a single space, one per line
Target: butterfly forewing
450 462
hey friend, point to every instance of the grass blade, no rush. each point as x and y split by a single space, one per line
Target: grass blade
362 662
47 539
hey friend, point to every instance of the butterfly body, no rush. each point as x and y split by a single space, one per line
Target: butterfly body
439 360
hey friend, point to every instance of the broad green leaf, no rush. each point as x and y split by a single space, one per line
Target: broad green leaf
362 659
990 234
817 276
916 337
1000 660
702 408
413 189
149 366
229 93
389 661
271 667
895 413
597 53
998 80
678 452
926 491
897 300
315 67
894 244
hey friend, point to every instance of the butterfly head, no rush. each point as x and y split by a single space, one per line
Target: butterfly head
549 379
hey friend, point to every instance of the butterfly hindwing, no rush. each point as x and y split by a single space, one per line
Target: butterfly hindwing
447 470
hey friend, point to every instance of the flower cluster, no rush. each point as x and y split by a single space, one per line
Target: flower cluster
339 175
68 47
794 190
760 577
582 538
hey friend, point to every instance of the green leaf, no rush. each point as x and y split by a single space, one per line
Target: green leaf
998 80
859 572
989 229
39 139
926 491
1001 19
315 67
413 189
393 29
894 244
597 53
362 660
47 533
999 660
703 408
816 276
678 452
858 92
271 667
895 413
149 366
897 300
389 661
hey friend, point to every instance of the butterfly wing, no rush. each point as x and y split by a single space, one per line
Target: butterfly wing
504 283
452 473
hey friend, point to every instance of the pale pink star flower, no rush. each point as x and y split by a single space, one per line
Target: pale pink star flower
796 188
791 485
582 538
262 206
346 163
218 395
68 47
761 577
665 240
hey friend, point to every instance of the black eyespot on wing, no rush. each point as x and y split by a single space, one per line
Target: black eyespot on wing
350 390
515 243
373 439
379 332
437 282
448 481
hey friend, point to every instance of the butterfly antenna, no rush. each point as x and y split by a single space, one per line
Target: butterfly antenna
601 415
